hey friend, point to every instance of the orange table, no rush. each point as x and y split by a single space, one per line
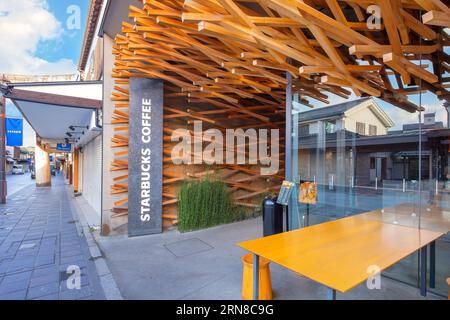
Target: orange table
338 254
431 217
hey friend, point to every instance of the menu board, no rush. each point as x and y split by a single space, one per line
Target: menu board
285 193
308 193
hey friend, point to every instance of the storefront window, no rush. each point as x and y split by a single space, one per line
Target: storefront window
372 158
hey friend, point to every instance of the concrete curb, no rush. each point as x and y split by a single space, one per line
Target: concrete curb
107 282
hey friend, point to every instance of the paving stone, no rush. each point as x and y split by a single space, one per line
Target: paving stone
187 247
38 242
70 253
47 251
84 281
4 266
44 260
14 247
79 263
76 294
70 244
47 270
10 287
26 253
27 246
48 242
50 297
43 290
18 295
20 266
11 278
38 281
73 260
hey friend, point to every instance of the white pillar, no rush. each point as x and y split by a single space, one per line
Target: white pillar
42 167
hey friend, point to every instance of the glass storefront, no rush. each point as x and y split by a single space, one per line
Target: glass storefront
369 157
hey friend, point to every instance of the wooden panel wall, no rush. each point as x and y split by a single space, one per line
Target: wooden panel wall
246 184
225 62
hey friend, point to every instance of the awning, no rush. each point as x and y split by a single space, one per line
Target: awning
116 10
58 111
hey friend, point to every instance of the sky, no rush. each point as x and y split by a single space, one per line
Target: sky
40 37
428 101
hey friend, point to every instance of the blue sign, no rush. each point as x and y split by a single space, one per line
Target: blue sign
14 132
64 147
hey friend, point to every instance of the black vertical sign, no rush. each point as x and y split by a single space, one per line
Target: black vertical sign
145 163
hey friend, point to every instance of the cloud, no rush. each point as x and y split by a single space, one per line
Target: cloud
24 24
399 116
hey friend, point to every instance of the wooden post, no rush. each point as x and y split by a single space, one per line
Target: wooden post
76 157
70 171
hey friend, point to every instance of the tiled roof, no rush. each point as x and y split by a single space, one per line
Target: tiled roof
336 110
94 12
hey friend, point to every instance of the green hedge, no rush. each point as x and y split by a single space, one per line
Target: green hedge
204 203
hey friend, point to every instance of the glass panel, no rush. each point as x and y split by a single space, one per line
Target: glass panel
361 157
429 173
435 206
372 158
366 158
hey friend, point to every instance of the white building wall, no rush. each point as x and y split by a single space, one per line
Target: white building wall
80 173
92 173
366 116
81 90
313 128
110 225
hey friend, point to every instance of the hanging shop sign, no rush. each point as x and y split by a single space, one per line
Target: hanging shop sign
64 147
14 132
145 164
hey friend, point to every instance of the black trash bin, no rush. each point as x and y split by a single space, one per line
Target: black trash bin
279 210
272 216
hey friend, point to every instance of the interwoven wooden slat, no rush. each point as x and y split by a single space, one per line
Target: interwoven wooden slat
224 62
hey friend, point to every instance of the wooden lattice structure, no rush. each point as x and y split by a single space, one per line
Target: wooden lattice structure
225 62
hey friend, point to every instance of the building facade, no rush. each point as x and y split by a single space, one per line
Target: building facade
167 66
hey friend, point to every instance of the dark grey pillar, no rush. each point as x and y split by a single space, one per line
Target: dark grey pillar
145 164
288 147
288 142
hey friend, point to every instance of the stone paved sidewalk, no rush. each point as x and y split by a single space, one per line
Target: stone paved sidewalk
39 240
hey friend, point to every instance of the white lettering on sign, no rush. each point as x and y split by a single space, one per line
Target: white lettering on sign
146 160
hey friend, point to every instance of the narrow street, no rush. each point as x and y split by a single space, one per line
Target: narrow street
18 182
39 240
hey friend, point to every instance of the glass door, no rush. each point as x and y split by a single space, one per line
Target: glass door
366 156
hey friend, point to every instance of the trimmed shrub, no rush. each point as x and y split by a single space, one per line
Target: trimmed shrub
204 203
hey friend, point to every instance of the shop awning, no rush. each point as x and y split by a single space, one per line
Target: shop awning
58 111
